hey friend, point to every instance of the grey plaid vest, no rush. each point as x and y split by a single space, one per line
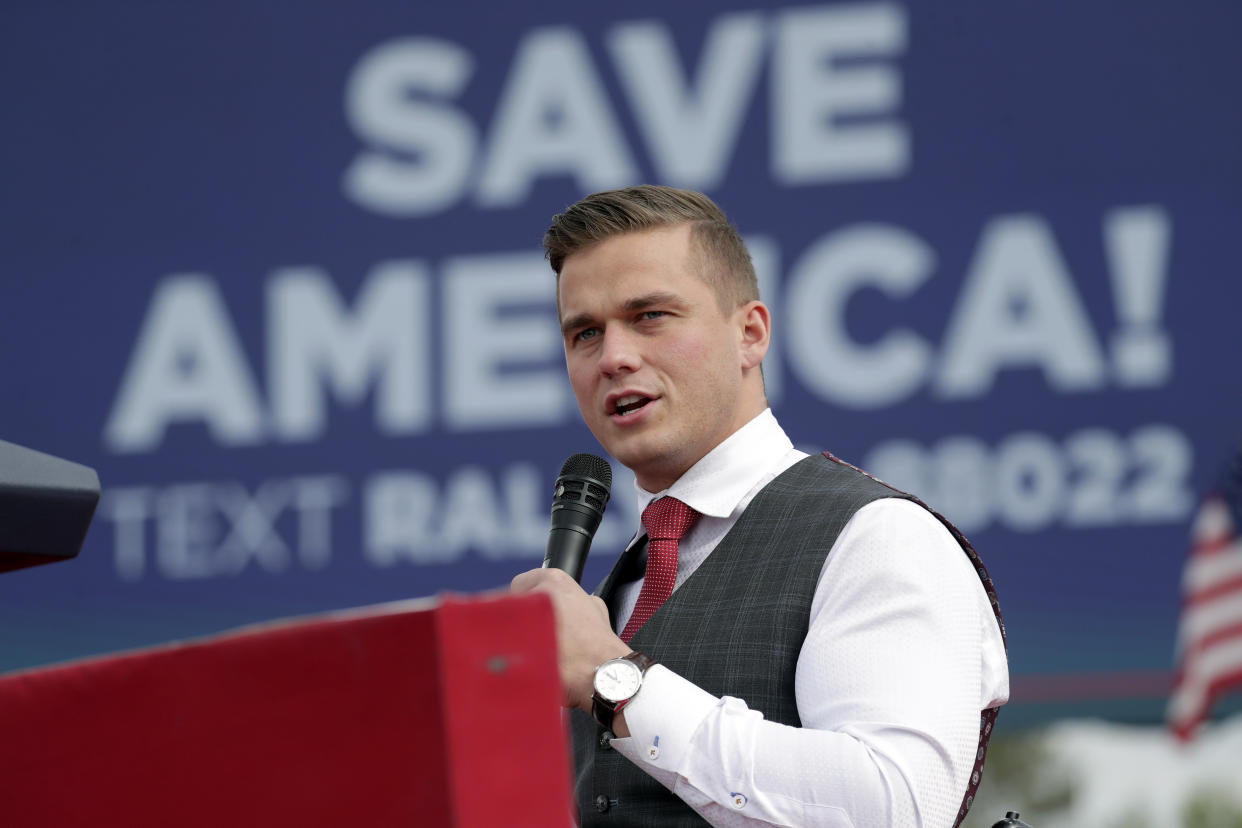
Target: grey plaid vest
735 627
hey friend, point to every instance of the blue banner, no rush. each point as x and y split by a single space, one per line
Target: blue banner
275 273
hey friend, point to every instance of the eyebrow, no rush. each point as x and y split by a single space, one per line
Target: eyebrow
638 303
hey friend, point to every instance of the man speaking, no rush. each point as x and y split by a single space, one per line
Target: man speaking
787 641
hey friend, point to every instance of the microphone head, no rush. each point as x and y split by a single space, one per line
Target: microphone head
588 465
582 492
585 483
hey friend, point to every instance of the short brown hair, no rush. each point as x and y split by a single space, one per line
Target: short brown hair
724 261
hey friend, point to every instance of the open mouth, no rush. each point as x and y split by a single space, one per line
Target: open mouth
629 404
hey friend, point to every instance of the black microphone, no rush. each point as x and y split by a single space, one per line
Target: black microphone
578 503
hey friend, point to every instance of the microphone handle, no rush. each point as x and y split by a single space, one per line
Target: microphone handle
567 550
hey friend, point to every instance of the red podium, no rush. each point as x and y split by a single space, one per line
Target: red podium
431 713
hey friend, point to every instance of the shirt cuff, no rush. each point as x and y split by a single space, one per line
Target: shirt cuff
663 719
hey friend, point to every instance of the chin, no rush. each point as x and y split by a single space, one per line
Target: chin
632 457
651 463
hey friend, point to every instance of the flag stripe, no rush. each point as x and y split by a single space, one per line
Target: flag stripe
1213 546
1213 528
1218 591
1201 619
1184 727
1209 636
1216 637
1211 673
1205 570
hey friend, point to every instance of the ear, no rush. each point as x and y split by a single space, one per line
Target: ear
755 332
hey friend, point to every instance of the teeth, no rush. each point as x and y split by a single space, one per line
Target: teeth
630 402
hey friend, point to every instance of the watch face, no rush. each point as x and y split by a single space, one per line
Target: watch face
618 679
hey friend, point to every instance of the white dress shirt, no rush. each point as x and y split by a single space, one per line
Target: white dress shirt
902 654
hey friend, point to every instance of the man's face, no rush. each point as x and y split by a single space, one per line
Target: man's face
661 374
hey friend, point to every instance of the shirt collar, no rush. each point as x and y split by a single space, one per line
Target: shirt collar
716 484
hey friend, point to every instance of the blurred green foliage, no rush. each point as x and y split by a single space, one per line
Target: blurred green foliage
1211 807
1021 774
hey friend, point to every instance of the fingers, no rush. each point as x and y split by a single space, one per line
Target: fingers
584 634
546 579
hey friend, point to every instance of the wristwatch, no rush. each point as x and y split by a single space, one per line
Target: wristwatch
616 684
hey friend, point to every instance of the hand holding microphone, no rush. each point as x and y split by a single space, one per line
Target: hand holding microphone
584 634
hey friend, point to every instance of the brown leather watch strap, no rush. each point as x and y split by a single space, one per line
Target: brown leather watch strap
605 711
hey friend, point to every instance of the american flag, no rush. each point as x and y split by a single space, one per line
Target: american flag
1209 639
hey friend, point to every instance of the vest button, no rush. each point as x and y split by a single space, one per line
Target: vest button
601 803
605 739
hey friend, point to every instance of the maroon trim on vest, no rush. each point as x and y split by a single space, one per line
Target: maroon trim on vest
987 718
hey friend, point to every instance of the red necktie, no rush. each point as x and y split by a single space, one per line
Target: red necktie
667 521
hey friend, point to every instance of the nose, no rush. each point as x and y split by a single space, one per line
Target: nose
621 352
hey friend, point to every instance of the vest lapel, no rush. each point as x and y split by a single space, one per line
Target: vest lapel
608 586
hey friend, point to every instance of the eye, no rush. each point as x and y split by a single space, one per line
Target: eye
586 335
651 314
